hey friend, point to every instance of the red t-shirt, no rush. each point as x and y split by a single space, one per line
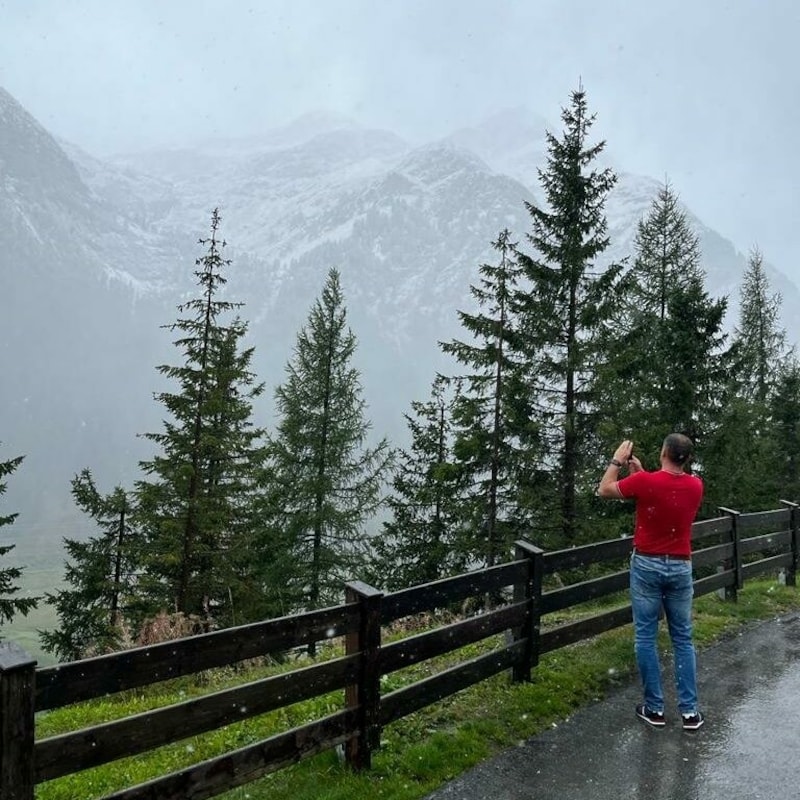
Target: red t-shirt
666 505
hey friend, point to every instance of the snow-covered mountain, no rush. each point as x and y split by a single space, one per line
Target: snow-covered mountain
97 254
408 224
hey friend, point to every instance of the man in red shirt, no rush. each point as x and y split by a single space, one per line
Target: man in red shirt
667 502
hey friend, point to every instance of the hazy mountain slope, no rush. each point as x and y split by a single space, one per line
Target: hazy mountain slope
72 340
96 255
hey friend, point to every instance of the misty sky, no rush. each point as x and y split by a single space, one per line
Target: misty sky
704 92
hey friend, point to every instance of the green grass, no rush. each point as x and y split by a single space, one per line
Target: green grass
421 751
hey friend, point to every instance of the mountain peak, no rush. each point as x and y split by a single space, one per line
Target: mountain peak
441 159
511 141
28 153
510 129
294 133
313 123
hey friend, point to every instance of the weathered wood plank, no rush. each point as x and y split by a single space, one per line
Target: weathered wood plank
777 519
95 677
772 564
768 541
721 580
578 593
584 628
585 555
79 750
711 527
712 555
429 596
429 644
216 775
404 701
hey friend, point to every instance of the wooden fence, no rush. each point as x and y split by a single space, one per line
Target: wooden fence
727 550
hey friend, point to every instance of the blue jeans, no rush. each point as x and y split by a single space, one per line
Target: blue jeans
656 582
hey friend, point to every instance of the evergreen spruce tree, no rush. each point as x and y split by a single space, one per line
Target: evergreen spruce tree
10 603
422 541
635 384
195 505
495 436
668 372
94 612
758 353
785 415
667 254
739 459
696 364
326 480
759 342
565 310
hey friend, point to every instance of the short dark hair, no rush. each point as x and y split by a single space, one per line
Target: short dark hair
678 448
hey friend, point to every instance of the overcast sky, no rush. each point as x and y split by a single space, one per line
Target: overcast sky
705 92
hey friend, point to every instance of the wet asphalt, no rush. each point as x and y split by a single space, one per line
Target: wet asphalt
748 749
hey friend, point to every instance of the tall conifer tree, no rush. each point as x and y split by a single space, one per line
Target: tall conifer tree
495 437
759 340
746 422
785 415
423 540
667 260
10 603
195 505
326 479
667 254
666 374
568 304
96 608
695 363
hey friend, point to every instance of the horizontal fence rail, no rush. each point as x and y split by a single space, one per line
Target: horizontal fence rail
430 644
95 677
61 755
447 591
514 627
404 701
217 775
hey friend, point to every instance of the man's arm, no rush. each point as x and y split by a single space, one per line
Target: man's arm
609 486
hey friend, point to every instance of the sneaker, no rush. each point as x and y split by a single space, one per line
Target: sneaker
654 718
691 722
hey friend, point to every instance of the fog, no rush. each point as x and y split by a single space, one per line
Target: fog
703 93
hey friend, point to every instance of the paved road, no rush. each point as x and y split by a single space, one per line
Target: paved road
749 689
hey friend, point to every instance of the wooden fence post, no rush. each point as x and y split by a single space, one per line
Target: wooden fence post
365 695
17 690
531 592
731 592
791 573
